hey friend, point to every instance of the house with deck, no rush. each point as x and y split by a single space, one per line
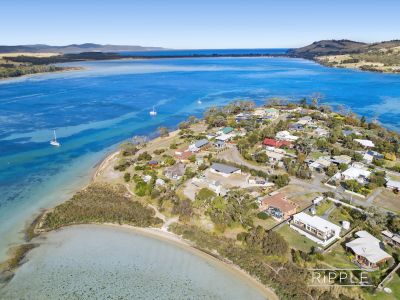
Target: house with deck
315 228
367 250
278 206
391 238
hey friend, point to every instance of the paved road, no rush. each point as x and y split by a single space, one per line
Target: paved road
373 196
328 212
232 154
313 185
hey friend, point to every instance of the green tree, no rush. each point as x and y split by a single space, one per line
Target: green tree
261 157
275 244
241 206
127 177
204 198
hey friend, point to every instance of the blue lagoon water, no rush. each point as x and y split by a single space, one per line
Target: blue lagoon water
95 109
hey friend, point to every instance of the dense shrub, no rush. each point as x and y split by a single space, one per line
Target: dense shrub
100 203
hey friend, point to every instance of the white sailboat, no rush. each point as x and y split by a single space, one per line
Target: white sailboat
199 102
54 141
153 112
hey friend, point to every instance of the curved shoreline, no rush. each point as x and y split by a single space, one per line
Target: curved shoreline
176 240
160 234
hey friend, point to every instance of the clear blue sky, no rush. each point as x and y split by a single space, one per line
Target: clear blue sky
197 23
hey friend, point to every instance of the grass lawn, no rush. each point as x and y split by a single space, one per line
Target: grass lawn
299 195
295 239
291 151
393 284
338 215
267 224
316 154
338 258
304 200
323 207
388 200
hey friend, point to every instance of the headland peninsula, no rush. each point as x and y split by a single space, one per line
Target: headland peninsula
274 190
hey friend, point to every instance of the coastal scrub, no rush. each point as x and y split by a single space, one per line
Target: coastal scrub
100 203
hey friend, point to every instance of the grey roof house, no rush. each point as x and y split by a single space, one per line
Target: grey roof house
224 169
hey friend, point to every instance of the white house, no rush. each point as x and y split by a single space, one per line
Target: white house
391 238
365 143
321 163
286 136
355 173
341 159
259 113
160 182
274 156
321 132
198 145
393 184
146 178
367 250
224 137
271 113
304 120
315 228
276 150
369 156
217 187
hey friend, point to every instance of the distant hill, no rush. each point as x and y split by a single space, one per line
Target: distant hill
327 47
377 57
339 47
74 48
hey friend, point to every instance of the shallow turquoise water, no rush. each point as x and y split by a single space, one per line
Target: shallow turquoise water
95 109
92 262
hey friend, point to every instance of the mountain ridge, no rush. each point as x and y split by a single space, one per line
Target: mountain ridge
339 47
74 48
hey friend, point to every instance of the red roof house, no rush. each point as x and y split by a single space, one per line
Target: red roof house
276 144
279 206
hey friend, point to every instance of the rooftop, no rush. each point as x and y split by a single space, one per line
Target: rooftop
279 201
201 143
275 143
227 130
224 168
368 246
354 172
365 143
317 222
